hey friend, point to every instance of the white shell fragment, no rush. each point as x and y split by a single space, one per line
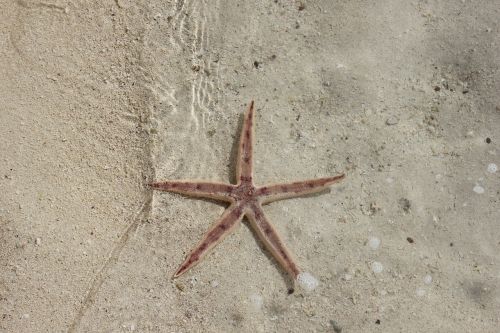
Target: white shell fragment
478 189
420 292
374 243
377 267
307 281
492 168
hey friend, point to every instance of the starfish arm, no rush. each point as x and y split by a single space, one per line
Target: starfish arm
200 189
284 191
271 239
245 152
214 236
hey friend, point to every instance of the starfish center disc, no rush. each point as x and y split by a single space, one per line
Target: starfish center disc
244 191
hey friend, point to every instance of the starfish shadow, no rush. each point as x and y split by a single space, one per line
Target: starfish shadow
289 281
233 154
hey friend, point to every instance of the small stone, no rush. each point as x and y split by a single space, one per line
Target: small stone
377 267
374 208
492 168
427 279
478 189
214 283
38 241
180 286
309 311
405 204
392 120
256 300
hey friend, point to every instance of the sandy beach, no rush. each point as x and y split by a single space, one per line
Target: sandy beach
100 99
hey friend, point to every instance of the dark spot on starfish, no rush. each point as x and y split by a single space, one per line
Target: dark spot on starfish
173 185
246 159
223 226
210 239
310 184
247 134
198 186
236 211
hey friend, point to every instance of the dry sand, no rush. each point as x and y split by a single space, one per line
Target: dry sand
98 99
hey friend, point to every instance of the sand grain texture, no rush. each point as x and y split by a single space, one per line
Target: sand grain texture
100 99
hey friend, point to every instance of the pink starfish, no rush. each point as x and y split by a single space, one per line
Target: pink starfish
245 199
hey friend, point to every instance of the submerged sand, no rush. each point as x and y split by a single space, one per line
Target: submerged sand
100 99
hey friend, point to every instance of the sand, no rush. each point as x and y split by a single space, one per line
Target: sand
99 99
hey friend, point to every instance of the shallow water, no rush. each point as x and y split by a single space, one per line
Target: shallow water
102 99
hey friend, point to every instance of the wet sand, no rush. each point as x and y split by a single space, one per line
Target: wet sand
100 99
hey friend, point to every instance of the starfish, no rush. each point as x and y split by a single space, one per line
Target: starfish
245 199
